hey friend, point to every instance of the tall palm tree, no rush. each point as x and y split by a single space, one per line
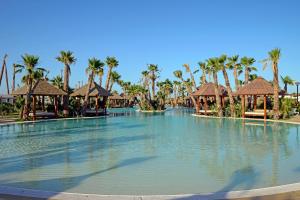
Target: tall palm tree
57 81
237 69
145 81
16 69
188 70
100 74
203 67
247 63
67 58
153 69
223 66
111 62
29 64
115 78
178 74
93 67
273 60
287 81
214 67
176 85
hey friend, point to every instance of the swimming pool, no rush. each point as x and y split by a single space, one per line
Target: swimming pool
140 153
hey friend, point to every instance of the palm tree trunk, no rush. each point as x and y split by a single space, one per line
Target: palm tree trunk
236 80
13 79
66 89
218 99
189 90
203 77
108 78
87 93
229 91
27 101
100 81
246 82
153 86
276 91
285 87
193 81
110 87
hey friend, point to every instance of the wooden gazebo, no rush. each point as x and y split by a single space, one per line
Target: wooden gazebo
97 92
257 87
206 91
41 88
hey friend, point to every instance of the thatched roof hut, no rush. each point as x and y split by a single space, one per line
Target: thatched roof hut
40 88
208 89
96 90
259 86
116 96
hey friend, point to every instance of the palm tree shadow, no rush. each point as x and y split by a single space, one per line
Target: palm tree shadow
65 183
246 176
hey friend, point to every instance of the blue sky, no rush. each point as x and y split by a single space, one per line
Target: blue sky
138 32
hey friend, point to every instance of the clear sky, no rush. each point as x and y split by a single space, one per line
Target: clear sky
138 32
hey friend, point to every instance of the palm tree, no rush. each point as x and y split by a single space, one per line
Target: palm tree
237 69
188 70
214 67
16 69
67 58
153 69
111 62
223 67
30 63
273 59
57 81
178 74
115 78
247 63
93 67
145 81
287 81
176 85
100 74
203 67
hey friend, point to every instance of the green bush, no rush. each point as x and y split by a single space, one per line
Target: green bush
6 108
286 106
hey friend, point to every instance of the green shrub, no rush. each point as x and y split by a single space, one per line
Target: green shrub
286 106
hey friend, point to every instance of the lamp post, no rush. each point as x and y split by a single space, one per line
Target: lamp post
297 84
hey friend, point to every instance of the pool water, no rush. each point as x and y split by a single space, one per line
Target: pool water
140 153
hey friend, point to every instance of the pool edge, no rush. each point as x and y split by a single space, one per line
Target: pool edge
254 119
290 190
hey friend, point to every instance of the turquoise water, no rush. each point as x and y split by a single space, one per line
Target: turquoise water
139 153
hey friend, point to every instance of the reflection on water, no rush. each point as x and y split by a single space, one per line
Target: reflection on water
141 153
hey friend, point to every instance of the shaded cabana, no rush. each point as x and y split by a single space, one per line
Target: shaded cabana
97 92
41 89
206 91
116 101
257 87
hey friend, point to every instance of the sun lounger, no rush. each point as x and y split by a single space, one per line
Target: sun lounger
207 112
256 113
41 114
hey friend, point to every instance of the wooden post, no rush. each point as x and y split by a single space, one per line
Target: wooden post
33 108
243 106
255 102
43 103
55 106
97 105
205 105
265 107
198 102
